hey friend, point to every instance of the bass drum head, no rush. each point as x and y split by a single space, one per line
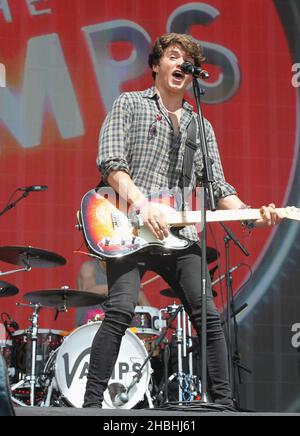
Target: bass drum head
72 363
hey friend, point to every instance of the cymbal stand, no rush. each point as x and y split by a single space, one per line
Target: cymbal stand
177 312
190 379
188 345
194 385
188 383
183 338
180 340
25 269
33 333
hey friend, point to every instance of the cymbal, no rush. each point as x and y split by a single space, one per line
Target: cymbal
64 297
212 254
30 256
169 292
7 290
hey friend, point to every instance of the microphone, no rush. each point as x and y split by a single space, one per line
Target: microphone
197 72
12 323
235 240
34 188
121 399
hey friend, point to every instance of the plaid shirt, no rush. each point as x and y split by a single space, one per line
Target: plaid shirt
138 137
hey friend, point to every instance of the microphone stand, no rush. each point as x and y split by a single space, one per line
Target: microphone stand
6 209
232 313
207 182
14 203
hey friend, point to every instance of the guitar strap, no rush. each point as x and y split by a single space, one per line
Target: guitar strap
188 158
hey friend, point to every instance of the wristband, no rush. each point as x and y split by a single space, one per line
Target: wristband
250 225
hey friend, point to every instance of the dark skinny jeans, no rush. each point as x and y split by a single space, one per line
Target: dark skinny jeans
182 271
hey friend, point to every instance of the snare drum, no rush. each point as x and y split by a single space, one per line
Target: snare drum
72 362
147 321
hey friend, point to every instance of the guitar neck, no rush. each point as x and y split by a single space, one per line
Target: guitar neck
178 219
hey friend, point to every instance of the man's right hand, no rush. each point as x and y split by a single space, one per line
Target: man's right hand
155 219
152 216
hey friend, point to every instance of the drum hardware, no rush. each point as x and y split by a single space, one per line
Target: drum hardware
147 321
169 292
7 290
223 276
178 311
49 381
13 271
188 384
28 258
123 398
32 349
31 257
33 333
61 299
64 298
153 279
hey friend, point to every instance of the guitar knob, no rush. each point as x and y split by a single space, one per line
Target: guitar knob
107 241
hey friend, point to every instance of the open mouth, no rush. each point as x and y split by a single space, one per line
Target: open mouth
178 75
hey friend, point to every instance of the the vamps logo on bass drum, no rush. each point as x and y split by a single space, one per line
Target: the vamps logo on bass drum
119 372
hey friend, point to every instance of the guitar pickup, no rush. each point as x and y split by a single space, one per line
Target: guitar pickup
115 219
136 222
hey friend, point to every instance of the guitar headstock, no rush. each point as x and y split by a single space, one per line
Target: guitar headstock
291 213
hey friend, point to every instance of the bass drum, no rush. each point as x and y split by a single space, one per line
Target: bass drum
72 363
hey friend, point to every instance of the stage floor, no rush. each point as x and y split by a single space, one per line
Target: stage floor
132 415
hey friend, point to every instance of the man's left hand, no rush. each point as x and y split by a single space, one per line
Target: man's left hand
269 216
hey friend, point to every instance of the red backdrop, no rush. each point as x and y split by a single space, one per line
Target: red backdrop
255 127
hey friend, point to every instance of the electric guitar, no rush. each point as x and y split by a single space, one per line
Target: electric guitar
110 232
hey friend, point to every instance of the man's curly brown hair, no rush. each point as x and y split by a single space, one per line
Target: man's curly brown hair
186 42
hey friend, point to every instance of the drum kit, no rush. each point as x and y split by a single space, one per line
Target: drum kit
48 367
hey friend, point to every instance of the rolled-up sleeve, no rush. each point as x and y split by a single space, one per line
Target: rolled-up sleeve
221 187
113 147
